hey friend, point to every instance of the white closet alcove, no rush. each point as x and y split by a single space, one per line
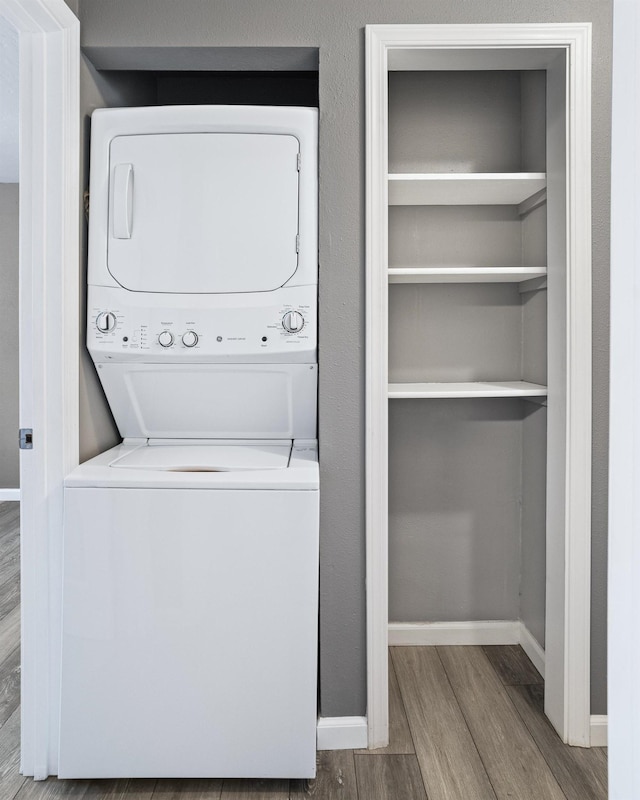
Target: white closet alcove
479 349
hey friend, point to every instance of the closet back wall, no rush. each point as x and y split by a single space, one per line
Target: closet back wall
336 28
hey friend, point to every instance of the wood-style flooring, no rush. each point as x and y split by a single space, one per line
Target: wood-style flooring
466 724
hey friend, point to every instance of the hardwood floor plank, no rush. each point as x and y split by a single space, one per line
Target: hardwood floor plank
450 765
119 789
246 789
512 760
188 789
512 664
9 533
335 778
9 685
10 778
9 517
10 632
400 741
52 789
389 777
10 592
9 559
581 773
138 789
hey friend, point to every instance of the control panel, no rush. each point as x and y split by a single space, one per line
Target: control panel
275 326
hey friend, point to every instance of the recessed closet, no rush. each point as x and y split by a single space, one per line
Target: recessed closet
472 340
467 347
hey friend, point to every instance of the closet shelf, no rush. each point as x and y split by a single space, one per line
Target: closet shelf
467 389
464 274
464 189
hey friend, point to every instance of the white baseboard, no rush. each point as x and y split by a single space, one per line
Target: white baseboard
342 733
416 634
413 634
532 648
9 494
599 730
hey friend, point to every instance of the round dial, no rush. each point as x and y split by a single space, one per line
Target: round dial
190 339
106 321
293 321
166 338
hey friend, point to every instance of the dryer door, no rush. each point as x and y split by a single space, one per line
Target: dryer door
203 212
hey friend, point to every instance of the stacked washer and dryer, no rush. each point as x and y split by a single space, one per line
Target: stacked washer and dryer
190 568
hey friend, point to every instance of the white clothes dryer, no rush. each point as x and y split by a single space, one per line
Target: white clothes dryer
190 568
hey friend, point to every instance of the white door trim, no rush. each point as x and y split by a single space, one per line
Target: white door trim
570 704
376 387
49 290
624 426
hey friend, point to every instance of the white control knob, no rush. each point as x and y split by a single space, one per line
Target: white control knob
293 321
106 321
166 338
190 339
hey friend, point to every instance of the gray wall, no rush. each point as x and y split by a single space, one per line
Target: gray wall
336 27
430 116
9 459
454 509
9 126
455 332
533 520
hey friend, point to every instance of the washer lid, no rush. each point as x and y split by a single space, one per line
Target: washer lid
207 457
198 213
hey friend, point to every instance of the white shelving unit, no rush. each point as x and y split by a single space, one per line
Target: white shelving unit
465 274
526 191
478 157
464 189
452 325
406 391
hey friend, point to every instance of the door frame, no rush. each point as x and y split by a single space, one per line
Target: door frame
568 560
49 316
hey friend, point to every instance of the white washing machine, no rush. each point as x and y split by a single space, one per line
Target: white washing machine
191 549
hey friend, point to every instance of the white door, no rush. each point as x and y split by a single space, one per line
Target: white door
49 303
203 212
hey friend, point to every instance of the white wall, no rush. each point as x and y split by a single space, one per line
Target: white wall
624 498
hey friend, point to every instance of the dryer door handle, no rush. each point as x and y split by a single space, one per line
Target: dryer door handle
122 201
